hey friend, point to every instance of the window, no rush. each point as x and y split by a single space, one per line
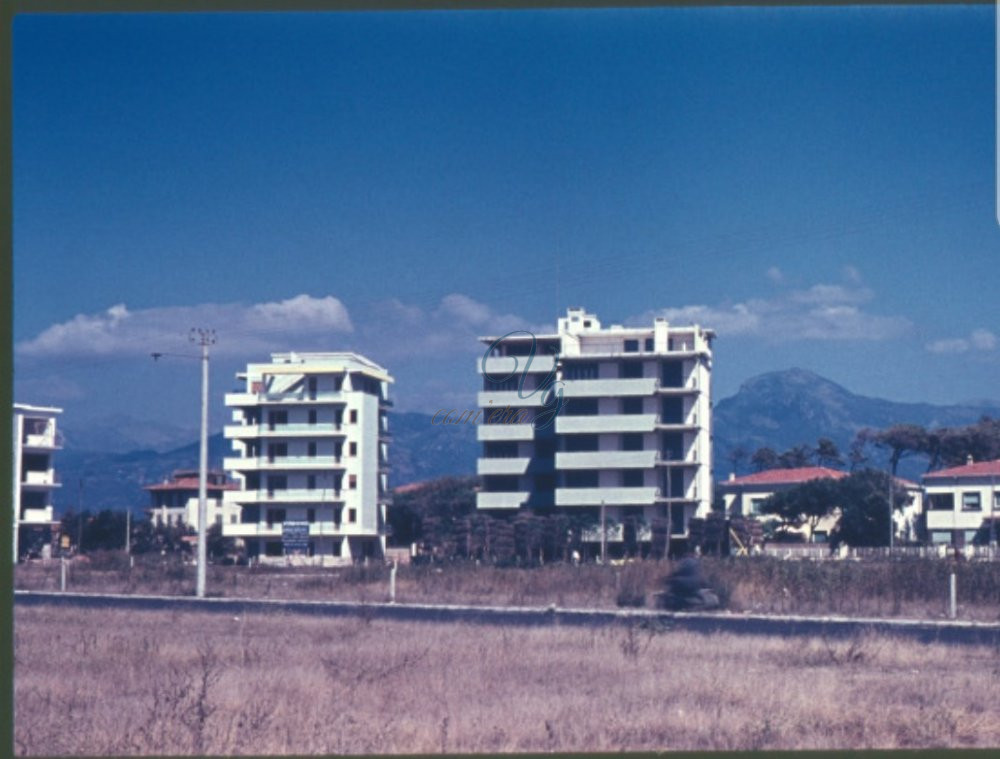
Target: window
632 405
352 482
756 503
577 443
580 407
631 346
942 502
352 449
276 450
218 519
632 441
673 411
232 519
354 416
500 450
971 501
275 516
310 482
312 416
672 374
673 446
310 515
581 478
352 515
276 417
273 548
580 371
312 387
276 482
630 370
633 478
649 344
311 450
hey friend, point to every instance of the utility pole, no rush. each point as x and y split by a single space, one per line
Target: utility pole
604 534
128 531
892 512
204 338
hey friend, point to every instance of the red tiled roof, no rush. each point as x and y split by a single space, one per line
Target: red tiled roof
410 487
976 469
190 483
786 476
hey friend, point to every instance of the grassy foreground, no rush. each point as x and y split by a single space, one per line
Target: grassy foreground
97 682
913 588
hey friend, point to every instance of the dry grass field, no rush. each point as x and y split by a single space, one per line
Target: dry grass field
93 682
902 588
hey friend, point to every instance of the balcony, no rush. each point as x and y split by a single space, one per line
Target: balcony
282 463
606 460
686 424
940 519
46 479
607 496
297 495
278 399
606 423
488 432
501 366
609 387
506 500
48 441
37 516
243 431
503 466
501 399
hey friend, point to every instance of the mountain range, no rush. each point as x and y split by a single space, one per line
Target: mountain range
779 410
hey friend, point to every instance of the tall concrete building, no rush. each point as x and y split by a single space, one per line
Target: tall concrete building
633 433
35 442
311 436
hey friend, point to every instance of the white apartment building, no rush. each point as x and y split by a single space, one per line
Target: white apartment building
634 433
311 435
961 500
35 442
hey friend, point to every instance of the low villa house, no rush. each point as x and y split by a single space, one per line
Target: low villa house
961 501
175 501
743 497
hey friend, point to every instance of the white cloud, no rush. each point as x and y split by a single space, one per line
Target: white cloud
775 275
820 312
978 339
304 320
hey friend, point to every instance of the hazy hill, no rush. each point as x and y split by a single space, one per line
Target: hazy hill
778 409
787 408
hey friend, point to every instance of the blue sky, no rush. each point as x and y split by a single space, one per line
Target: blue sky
815 184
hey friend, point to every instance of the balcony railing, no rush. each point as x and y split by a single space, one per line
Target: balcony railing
605 423
327 429
47 479
282 462
504 500
605 459
608 496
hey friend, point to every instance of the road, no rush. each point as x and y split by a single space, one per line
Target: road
956 632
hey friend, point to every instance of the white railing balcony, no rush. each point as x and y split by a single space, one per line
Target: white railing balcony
252 530
939 519
295 495
303 397
502 466
501 366
328 429
487 432
46 479
47 440
37 516
500 399
605 459
505 500
609 387
605 423
607 496
262 463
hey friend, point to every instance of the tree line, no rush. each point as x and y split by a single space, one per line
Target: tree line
942 447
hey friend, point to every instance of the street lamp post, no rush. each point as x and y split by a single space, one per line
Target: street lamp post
204 338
